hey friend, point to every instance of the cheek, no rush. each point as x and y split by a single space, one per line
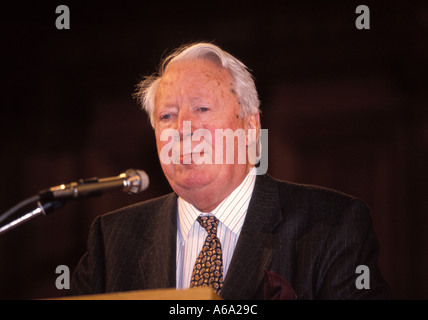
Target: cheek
159 144
228 142
163 148
165 137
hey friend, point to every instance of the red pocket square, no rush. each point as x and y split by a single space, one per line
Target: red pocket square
277 288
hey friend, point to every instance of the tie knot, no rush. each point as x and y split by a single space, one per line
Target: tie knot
209 223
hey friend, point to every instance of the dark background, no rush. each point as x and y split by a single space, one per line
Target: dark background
344 108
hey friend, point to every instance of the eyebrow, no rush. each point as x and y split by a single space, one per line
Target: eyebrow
162 108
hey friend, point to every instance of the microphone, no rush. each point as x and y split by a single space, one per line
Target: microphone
132 181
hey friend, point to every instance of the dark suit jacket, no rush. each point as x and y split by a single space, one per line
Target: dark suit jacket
312 237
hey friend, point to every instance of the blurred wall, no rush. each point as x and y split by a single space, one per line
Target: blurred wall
344 108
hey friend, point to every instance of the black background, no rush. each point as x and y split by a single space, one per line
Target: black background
344 108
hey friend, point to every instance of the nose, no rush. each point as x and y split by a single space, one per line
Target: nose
184 124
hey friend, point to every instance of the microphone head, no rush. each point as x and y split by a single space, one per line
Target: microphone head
138 179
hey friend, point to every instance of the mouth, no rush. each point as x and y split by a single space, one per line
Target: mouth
189 158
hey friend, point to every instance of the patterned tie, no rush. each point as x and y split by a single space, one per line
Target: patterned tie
208 269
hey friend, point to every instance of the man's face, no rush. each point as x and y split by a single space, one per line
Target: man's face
194 95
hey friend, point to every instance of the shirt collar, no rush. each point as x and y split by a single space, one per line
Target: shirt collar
231 211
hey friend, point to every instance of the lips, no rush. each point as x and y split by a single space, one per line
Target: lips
188 158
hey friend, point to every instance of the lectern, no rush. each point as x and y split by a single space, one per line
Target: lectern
200 293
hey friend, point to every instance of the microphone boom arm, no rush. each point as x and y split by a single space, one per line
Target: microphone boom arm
132 181
42 208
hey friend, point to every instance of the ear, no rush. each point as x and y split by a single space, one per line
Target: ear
252 128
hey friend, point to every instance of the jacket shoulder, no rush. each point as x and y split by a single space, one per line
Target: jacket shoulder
308 205
311 196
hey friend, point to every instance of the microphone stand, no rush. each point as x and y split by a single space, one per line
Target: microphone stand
42 208
132 181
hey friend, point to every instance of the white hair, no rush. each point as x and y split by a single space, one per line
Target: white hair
243 82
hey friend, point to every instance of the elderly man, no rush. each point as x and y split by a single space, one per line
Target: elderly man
247 236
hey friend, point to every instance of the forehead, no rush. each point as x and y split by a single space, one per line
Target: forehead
194 74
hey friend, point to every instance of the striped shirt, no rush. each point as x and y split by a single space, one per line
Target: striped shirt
191 236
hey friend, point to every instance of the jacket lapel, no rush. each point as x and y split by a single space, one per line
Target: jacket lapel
253 253
256 244
158 261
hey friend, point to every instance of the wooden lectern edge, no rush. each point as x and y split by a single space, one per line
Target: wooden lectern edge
201 293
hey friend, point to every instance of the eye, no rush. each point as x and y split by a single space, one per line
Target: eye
202 109
165 116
